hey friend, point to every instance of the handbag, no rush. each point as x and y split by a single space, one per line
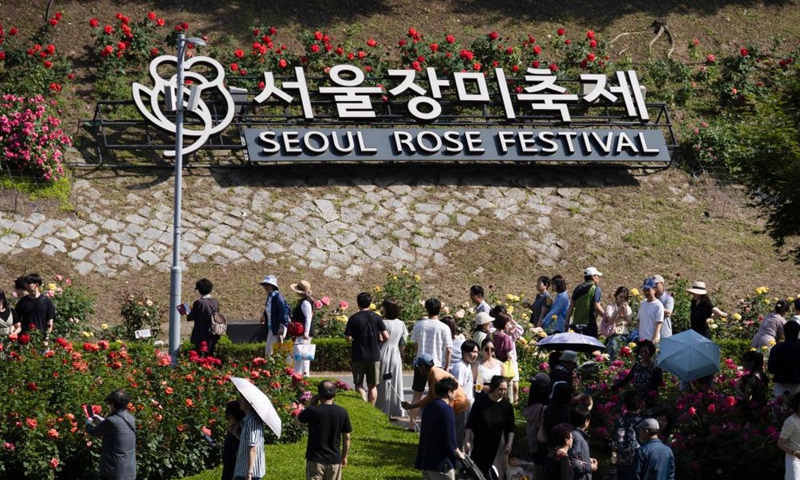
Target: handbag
303 352
219 324
510 368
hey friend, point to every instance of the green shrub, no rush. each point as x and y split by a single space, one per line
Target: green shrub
73 305
406 288
139 312
41 420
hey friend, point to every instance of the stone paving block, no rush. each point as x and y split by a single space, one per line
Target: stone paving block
468 236
130 251
113 225
90 243
148 257
22 228
151 233
5 248
136 219
10 239
84 268
68 233
143 242
333 272
29 242
197 258
124 238
255 255
57 243
209 249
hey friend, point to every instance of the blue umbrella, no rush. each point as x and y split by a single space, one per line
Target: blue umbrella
571 341
689 355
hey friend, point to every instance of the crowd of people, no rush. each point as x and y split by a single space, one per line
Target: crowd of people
466 384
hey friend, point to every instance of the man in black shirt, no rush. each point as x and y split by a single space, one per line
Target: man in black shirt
328 426
35 311
365 329
784 362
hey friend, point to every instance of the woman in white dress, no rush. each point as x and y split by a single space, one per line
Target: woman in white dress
488 365
390 387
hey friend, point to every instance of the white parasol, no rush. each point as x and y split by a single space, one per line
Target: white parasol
260 402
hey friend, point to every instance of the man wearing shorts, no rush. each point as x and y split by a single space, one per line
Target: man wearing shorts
366 331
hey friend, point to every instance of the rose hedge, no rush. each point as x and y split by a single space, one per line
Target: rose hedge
41 420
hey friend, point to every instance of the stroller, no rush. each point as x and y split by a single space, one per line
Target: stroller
470 471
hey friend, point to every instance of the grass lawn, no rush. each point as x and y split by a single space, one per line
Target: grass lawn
378 449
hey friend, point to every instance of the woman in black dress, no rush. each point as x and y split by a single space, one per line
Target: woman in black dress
490 428
202 310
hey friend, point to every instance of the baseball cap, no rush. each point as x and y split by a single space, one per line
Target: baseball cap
649 423
592 271
649 284
424 359
658 279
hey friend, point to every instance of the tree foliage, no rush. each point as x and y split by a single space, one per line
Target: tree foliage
768 161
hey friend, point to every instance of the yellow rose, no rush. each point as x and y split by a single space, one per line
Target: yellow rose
635 291
510 309
554 317
372 306
766 300
417 278
52 286
377 289
85 334
104 326
522 341
737 317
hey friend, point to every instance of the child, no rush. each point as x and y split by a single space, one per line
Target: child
753 384
234 415
516 469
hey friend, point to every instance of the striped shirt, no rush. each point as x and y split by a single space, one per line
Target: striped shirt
252 435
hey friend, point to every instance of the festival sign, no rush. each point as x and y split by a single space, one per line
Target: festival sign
415 116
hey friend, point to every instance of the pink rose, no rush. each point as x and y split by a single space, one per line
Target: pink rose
326 300
343 304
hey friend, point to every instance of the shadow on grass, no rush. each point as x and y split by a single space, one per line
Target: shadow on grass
379 449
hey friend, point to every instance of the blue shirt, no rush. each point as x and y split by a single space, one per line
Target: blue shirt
437 439
654 461
559 309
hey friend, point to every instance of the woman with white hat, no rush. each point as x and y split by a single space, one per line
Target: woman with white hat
303 313
702 309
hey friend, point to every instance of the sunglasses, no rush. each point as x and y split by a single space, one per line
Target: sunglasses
488 349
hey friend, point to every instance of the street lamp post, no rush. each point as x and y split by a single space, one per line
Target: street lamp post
176 275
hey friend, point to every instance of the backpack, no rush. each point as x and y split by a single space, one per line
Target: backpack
219 324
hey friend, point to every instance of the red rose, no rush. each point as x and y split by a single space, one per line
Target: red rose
24 339
339 51
590 57
151 16
318 35
153 51
560 31
515 68
567 41
282 63
537 50
584 63
59 15
744 52
169 391
185 26
493 36
350 56
31 423
450 39
416 66
535 64
372 43
434 47
476 66
238 53
108 29
361 54
590 34
314 48
412 32
51 49
592 43
401 43
160 22
93 22
510 50
553 67
53 22
711 58
53 462
273 30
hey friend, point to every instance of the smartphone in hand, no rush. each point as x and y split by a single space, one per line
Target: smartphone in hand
87 411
